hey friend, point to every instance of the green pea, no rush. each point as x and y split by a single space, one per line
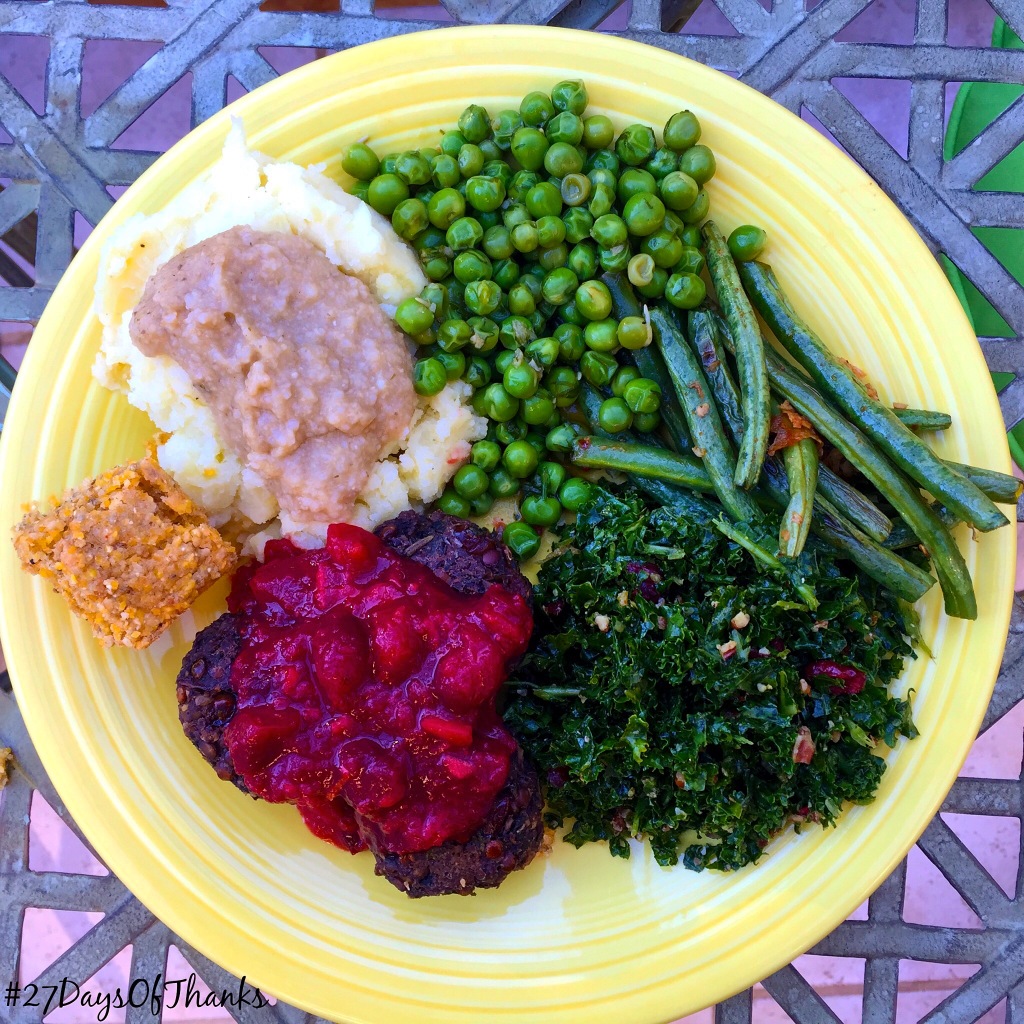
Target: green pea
559 286
515 213
445 171
412 168
454 334
640 270
602 201
571 315
642 395
645 422
691 236
485 333
464 233
635 144
571 96
633 181
359 189
604 160
685 291
456 296
575 494
682 130
634 333
525 237
563 385
445 207
491 150
550 230
598 368
520 299
470 160
485 455
664 248
747 242
485 193
570 343
482 297
360 161
699 163
538 510
565 127
643 213
583 260
623 376
498 404
385 192
497 242
481 505
552 475
506 272
674 223
521 539
426 340
543 200
521 380
516 332
436 264
614 416
504 127
429 377
562 159
414 316
575 189
505 358
554 257
678 190
560 438
428 238
474 123
614 259
543 351
537 409
503 485
452 142
690 262
470 481
536 108
699 211
520 184
451 503
520 459
477 373
598 131
498 169
454 364
578 224
506 433
594 300
663 163
387 163
609 230
472 265
601 335
529 145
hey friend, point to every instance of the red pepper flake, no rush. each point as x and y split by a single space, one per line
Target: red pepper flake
846 678
703 409
583 443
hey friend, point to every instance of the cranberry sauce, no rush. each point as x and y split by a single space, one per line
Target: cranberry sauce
366 692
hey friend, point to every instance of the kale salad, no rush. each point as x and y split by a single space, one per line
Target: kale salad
677 691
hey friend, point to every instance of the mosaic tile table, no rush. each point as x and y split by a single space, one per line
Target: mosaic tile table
59 162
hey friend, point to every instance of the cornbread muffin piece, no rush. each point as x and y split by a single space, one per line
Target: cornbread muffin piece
129 551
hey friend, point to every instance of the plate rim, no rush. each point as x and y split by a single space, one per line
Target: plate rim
215 127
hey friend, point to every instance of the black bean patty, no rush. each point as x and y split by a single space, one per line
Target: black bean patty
508 839
460 553
469 559
206 701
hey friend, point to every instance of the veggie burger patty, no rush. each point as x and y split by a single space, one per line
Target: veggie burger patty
469 559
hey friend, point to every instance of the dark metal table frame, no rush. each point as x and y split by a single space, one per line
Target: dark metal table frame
60 162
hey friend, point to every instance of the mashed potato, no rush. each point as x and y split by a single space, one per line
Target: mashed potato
248 188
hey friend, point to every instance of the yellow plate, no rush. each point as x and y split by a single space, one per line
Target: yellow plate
577 936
